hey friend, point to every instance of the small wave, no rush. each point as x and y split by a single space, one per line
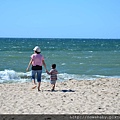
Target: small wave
13 76
9 76
63 64
90 51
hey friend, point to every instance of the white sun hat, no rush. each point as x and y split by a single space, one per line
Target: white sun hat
37 49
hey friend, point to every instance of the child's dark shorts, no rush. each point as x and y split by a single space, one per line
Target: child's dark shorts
53 81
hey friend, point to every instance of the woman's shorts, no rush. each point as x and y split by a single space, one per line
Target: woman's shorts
52 81
38 73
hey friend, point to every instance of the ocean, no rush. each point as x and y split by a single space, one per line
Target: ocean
80 59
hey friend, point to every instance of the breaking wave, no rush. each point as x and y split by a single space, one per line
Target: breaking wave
9 76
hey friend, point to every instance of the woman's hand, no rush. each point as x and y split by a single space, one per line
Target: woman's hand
27 69
29 65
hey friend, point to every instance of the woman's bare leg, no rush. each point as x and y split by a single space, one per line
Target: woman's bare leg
34 84
39 86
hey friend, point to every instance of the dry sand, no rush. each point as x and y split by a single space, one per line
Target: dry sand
100 96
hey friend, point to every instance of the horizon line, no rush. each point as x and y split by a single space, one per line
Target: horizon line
53 38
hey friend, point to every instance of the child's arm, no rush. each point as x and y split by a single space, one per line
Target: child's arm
48 72
56 72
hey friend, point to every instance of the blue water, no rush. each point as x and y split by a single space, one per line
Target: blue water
75 58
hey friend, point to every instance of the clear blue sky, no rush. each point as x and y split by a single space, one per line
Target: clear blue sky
60 18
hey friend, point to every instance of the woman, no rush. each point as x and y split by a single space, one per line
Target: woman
37 60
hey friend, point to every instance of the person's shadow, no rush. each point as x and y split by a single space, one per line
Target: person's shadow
61 90
68 90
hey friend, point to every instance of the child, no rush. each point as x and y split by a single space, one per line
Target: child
53 76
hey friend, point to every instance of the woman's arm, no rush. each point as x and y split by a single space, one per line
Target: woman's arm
43 62
29 65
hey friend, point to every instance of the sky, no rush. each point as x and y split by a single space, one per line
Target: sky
60 18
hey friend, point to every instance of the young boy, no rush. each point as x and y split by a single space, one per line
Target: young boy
53 76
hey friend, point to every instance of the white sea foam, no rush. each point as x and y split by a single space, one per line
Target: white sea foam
8 76
63 63
12 76
90 51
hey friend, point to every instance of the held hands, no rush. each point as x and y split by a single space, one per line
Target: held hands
47 72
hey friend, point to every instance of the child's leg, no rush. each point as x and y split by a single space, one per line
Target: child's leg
53 82
53 87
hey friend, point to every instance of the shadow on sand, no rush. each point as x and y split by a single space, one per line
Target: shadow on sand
60 90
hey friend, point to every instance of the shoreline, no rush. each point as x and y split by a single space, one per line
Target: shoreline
100 96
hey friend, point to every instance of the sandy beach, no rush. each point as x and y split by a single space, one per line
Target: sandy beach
101 96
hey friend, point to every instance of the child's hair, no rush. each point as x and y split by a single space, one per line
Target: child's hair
53 66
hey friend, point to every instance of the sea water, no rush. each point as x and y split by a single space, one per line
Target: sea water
80 59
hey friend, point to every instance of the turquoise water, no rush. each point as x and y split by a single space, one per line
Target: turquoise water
75 58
